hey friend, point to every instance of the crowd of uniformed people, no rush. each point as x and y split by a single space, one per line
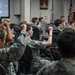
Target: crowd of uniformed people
37 48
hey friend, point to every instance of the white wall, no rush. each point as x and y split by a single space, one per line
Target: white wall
13 18
25 10
66 9
36 12
60 8
57 9
35 8
74 5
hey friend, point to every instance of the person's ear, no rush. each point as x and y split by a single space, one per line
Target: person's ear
29 31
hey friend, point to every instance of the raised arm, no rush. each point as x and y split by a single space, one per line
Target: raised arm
49 41
15 51
9 33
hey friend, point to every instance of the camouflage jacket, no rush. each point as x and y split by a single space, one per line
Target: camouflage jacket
35 46
63 67
10 55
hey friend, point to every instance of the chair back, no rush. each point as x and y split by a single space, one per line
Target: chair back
36 33
2 70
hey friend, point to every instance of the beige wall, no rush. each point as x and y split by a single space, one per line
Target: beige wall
16 13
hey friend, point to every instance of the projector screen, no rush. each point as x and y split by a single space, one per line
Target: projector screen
4 8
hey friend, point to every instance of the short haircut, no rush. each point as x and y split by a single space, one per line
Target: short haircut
66 43
2 35
62 17
57 22
34 19
20 24
28 27
8 20
71 22
40 18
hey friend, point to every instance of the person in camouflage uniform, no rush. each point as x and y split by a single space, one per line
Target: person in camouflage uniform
66 48
12 54
37 61
64 24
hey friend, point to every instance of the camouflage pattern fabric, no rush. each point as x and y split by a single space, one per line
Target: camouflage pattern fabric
63 67
12 54
35 46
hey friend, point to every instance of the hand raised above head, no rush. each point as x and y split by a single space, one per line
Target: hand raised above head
5 23
23 27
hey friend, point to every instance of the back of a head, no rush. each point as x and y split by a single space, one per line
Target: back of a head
71 22
62 18
34 19
66 43
57 22
40 18
28 27
35 33
25 21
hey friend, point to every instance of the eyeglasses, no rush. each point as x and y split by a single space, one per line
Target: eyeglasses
8 21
